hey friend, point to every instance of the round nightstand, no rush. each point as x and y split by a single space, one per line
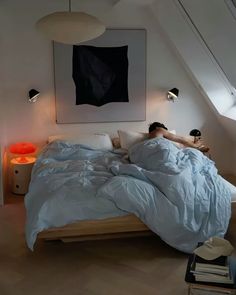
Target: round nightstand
21 174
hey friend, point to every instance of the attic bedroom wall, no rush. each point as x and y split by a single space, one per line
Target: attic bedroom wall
26 62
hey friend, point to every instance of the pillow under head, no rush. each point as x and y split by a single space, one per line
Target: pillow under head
129 138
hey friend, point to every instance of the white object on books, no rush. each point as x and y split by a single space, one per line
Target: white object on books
213 248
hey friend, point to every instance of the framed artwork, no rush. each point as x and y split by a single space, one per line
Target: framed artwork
103 80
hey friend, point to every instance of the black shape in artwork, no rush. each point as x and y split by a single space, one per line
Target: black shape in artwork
100 74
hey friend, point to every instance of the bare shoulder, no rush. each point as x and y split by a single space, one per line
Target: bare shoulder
157 133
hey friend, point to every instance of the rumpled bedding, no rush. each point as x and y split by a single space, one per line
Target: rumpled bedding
64 184
176 192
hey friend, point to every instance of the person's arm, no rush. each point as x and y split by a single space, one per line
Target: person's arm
183 140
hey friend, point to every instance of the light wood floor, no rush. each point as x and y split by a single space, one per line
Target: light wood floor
130 266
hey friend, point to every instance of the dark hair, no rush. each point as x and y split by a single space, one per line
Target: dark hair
155 125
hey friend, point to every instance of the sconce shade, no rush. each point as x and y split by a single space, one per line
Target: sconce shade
195 132
33 94
22 148
70 27
174 92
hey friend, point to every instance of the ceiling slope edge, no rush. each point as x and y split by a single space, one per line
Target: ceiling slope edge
208 75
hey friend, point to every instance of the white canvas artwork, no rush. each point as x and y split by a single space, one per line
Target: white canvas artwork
103 80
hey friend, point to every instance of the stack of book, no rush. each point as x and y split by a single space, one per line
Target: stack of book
212 271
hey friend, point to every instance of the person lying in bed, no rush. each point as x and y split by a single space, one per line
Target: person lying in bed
157 129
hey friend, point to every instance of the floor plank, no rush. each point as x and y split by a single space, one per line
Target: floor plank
126 266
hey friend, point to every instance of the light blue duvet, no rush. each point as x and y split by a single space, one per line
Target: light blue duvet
64 184
176 192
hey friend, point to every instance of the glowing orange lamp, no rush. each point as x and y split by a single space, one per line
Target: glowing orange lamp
22 149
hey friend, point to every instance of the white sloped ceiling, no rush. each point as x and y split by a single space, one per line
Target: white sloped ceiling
204 34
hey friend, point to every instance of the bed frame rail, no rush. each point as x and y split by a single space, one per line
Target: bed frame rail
110 228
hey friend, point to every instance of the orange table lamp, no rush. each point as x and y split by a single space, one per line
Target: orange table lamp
22 149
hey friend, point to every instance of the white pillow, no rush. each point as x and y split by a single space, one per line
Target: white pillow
97 140
129 138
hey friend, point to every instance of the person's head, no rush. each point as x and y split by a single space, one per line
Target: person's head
153 126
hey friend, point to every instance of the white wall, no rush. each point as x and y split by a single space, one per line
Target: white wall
27 63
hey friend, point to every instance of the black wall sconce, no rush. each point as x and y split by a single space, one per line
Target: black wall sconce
173 94
33 95
196 134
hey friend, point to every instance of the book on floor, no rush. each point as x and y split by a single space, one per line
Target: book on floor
214 278
220 263
214 271
220 266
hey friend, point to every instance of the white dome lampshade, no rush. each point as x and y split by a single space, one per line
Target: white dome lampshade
70 27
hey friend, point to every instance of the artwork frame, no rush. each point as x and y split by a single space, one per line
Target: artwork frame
133 110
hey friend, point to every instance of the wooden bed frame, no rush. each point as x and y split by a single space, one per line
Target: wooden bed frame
110 228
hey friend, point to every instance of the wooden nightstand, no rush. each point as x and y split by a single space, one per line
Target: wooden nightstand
20 175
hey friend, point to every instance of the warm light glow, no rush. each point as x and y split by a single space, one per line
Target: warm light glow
23 160
22 148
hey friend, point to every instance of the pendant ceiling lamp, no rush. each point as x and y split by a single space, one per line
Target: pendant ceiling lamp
70 27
